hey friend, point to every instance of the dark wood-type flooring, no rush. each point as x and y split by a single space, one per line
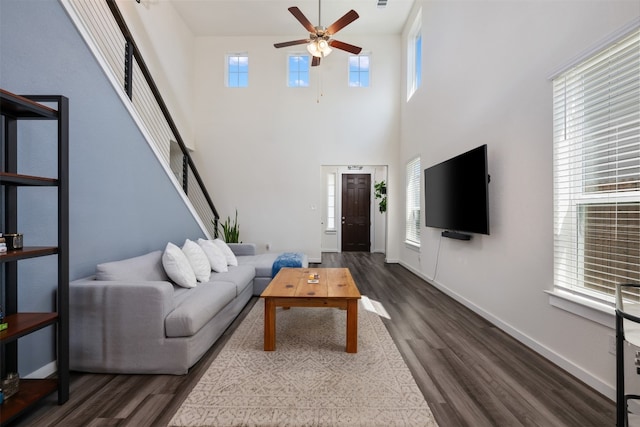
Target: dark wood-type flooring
470 372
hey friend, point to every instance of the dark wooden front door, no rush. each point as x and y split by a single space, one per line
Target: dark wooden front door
356 212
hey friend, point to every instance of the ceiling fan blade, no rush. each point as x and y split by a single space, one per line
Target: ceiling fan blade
291 43
345 46
346 19
315 61
302 19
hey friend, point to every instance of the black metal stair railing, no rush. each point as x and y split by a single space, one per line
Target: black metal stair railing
135 76
131 53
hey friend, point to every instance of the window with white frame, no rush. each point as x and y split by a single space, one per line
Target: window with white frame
331 201
359 66
298 66
412 218
414 56
596 134
237 70
418 60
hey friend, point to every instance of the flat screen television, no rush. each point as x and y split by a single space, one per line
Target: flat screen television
457 194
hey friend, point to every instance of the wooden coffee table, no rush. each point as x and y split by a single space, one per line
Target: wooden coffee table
290 288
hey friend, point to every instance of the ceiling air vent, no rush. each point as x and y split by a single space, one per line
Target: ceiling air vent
382 3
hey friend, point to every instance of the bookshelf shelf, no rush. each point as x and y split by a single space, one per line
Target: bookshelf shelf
16 108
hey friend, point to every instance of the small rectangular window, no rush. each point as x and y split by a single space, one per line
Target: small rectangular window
414 56
237 70
359 70
418 77
331 202
298 71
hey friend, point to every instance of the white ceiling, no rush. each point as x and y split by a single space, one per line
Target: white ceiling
271 17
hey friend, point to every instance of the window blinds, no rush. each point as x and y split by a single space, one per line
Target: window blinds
412 223
596 132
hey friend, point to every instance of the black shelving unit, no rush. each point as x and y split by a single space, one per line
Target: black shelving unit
15 108
627 330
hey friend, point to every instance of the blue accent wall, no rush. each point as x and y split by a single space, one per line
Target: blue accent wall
122 203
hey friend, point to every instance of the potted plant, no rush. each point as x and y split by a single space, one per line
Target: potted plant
381 193
230 230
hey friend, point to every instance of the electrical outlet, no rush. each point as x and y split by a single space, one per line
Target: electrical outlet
612 344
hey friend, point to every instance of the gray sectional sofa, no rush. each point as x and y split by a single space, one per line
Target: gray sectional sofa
130 318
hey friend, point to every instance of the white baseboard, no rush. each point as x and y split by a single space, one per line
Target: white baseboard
44 372
315 260
562 362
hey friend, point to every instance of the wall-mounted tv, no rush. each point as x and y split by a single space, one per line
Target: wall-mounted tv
457 195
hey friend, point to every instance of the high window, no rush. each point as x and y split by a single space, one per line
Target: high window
359 70
418 61
414 56
596 133
412 218
298 71
237 70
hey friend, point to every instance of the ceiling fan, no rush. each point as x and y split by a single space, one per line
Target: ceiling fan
319 43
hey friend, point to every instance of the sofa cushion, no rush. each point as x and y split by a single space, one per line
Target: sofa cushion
216 258
177 267
263 263
198 260
226 250
146 267
241 249
241 275
197 306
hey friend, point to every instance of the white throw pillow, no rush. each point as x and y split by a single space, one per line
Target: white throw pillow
198 260
226 250
216 258
177 267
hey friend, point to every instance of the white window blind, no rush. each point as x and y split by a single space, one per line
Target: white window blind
412 222
596 132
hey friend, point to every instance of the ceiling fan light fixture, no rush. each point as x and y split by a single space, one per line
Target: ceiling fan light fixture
319 42
319 48
313 48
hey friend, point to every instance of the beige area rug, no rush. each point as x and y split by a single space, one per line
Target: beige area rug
309 380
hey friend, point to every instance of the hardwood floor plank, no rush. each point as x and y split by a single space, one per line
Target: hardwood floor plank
470 372
146 413
420 375
105 422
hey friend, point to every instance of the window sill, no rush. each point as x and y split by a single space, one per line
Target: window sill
598 312
330 231
412 245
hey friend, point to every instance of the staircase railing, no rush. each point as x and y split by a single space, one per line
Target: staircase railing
105 25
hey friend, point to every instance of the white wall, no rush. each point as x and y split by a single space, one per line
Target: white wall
484 81
169 55
261 148
121 201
